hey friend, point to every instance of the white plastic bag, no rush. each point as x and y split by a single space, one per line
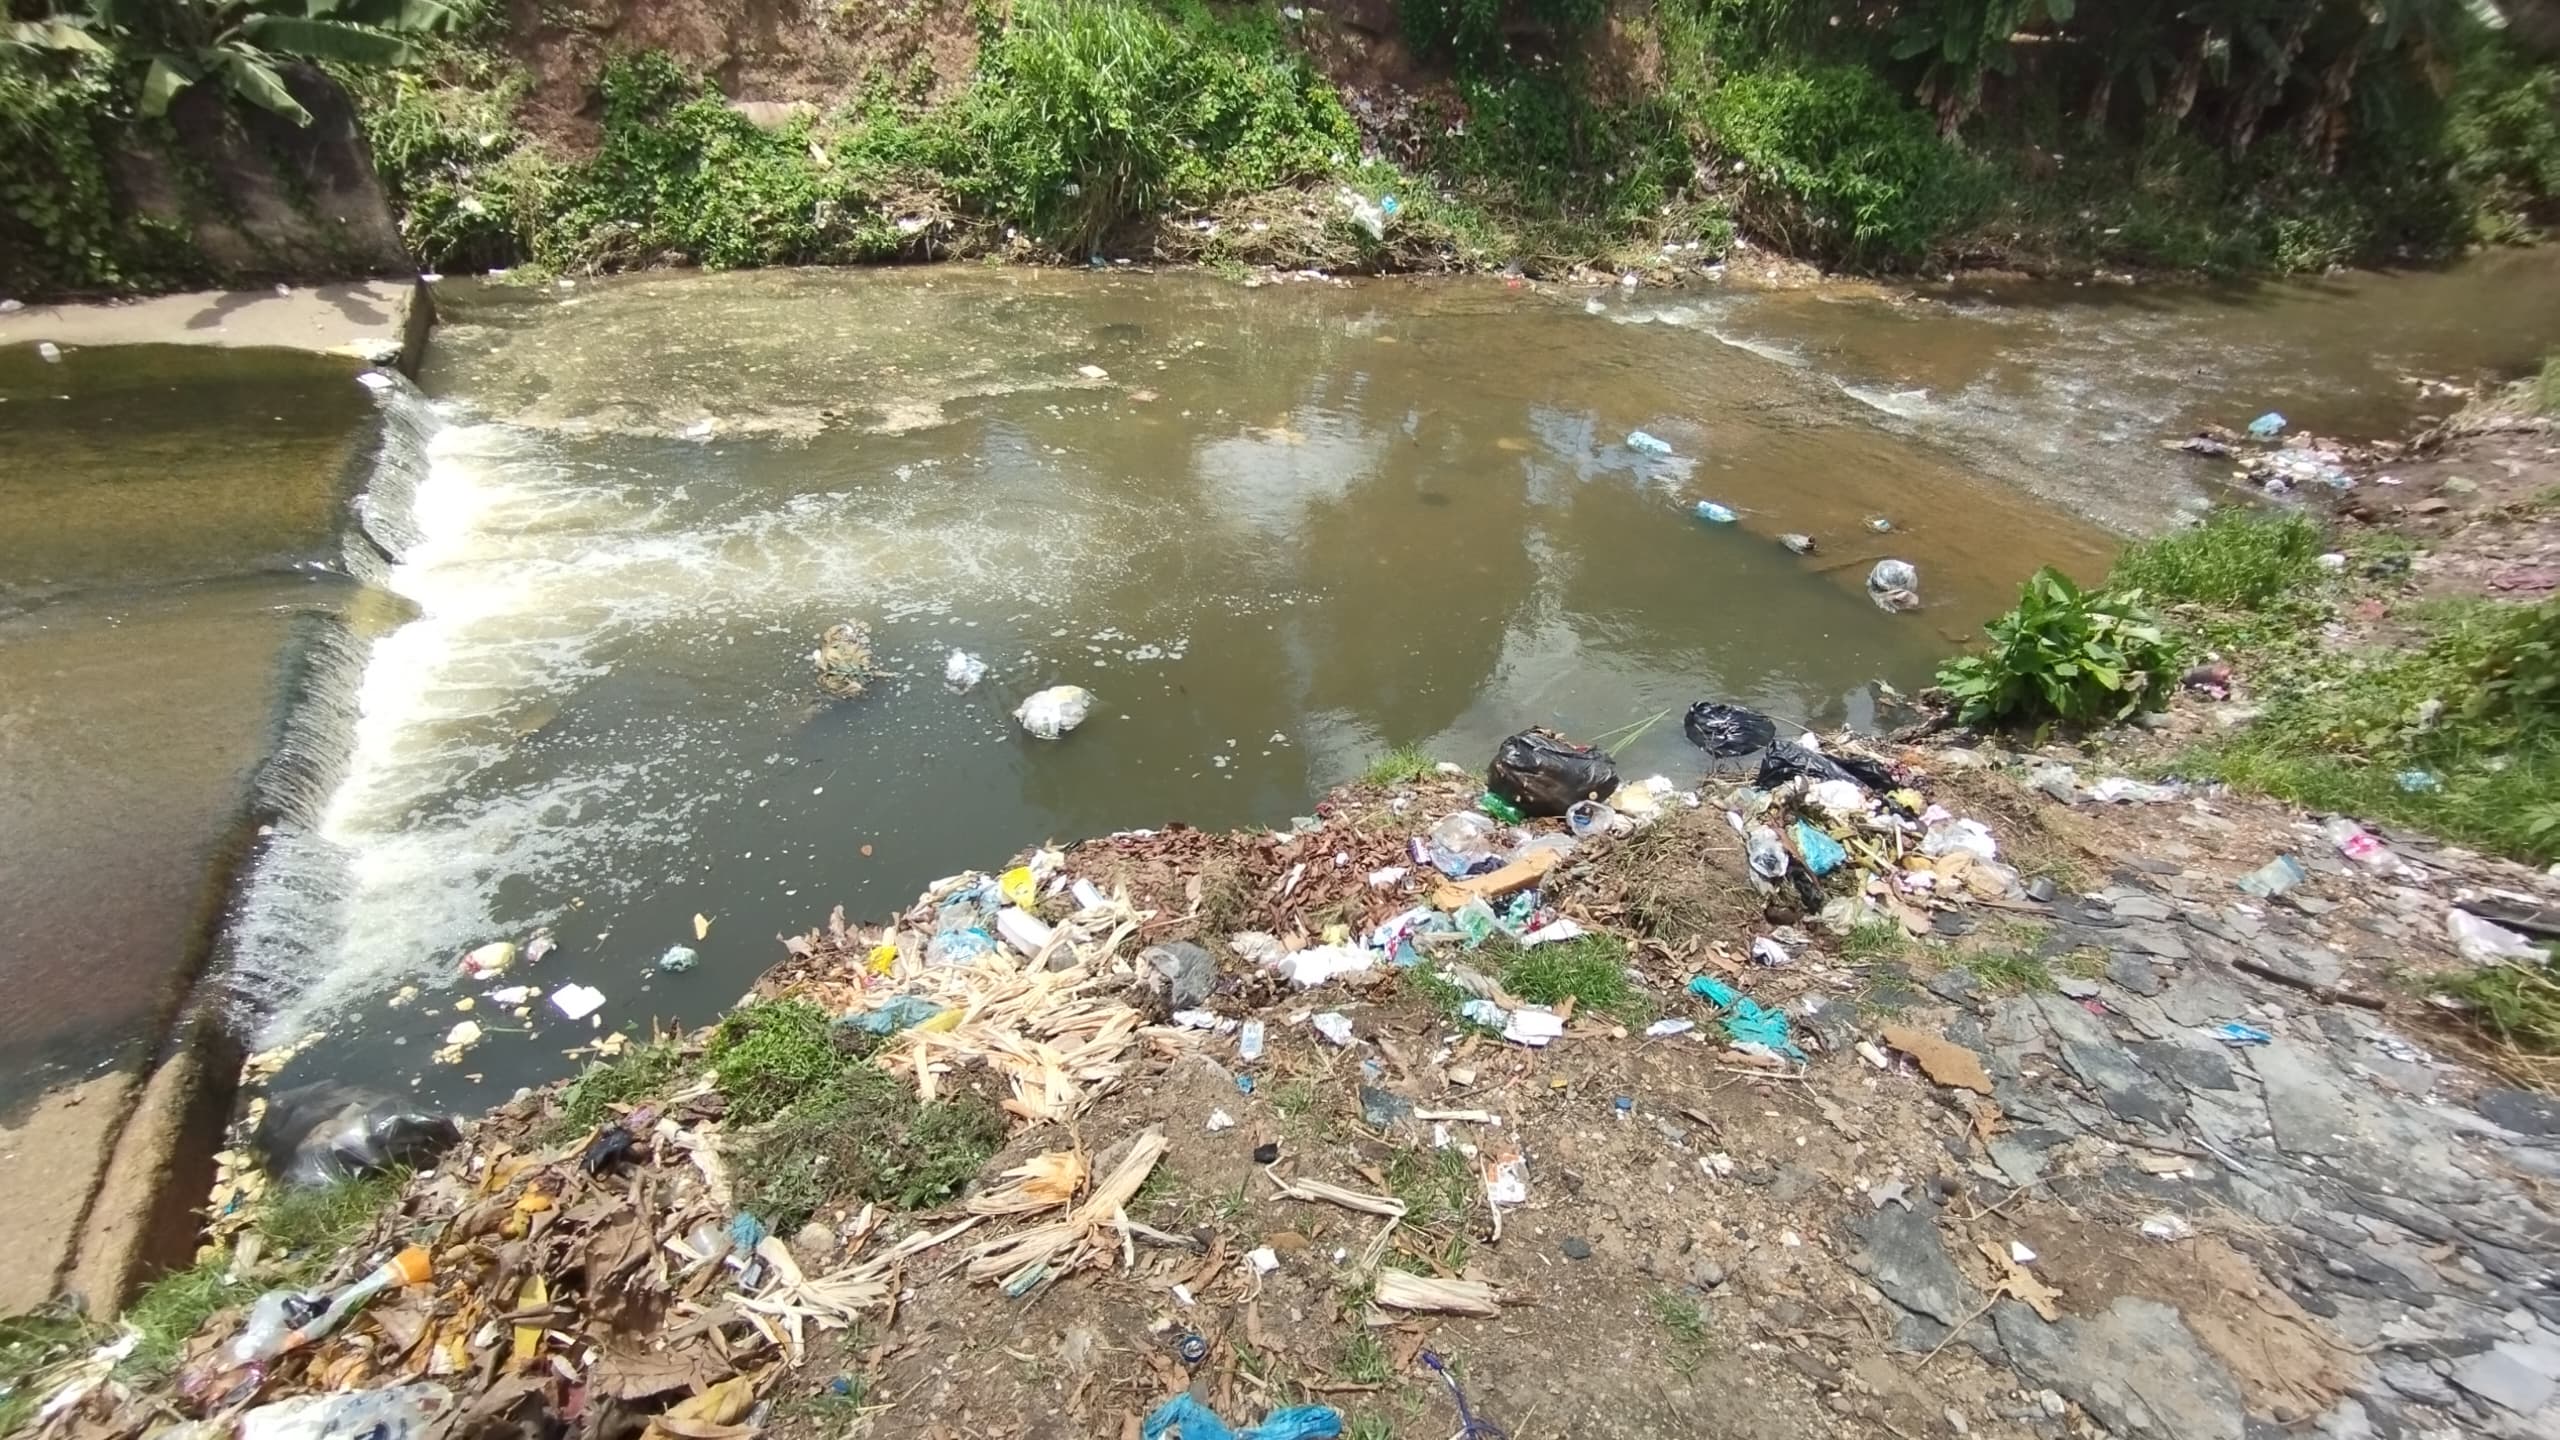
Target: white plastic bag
963 670
2486 942
1053 712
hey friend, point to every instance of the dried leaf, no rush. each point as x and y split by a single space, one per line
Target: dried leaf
2019 1283
631 1375
701 926
1945 1061
1403 1290
1042 1182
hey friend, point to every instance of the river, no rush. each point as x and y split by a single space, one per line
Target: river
1276 530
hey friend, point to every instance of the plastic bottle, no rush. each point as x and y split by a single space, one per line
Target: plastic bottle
283 1320
1713 513
1768 857
1644 444
1249 1041
2356 845
1587 818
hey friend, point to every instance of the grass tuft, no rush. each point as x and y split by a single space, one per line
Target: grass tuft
649 1072
2235 558
863 1136
1591 971
1401 766
2520 1006
2007 972
772 1053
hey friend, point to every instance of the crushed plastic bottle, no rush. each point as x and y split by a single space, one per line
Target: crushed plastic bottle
396 1412
283 1320
1249 1041
1644 444
2354 843
1768 857
2267 426
2273 878
1714 514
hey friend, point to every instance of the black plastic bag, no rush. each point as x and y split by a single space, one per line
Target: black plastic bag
1785 762
1726 731
1543 774
316 1134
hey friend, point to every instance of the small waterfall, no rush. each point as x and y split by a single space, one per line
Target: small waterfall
390 471
290 911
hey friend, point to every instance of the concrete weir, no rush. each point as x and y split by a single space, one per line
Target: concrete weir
104 1175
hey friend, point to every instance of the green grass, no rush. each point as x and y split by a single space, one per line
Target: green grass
1400 766
1364 1358
2236 557
650 1072
29 1345
862 1136
2338 731
1592 971
2546 385
2518 1005
1870 941
1684 1323
2006 971
1435 1185
1371 1427
771 1053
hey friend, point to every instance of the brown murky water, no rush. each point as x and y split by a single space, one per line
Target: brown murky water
1276 531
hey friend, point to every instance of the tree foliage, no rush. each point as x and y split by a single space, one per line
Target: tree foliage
241 45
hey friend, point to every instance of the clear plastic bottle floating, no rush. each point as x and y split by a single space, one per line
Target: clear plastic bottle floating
1713 513
1644 444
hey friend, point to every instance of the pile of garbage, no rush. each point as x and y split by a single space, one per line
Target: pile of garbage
2279 464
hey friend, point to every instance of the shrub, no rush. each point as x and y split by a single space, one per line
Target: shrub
1471 31
2065 654
864 1136
1086 115
1840 166
2502 129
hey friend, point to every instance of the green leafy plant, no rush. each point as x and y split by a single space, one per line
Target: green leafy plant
2519 678
2236 557
1402 765
2064 653
241 44
771 1053
1836 165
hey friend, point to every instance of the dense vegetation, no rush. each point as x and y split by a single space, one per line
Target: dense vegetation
2249 135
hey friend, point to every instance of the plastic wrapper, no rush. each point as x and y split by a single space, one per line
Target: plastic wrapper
1053 712
315 1136
1726 731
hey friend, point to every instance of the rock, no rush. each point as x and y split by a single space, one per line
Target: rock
2075 987
1910 1263
1956 987
1705 1274
1575 1247
2189 1065
2416 1381
2522 1111
2020 1165
2136 1368
2523 1378
2305 1107
2133 972
2134 905
2154 940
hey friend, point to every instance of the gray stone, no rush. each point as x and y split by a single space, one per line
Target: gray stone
2021 1165
2418 1381
1956 986
2137 1369
2520 1377
2077 988
1575 1247
2522 1111
2154 940
1910 1264
2128 1091
2135 905
2133 972
2190 1065
2305 1107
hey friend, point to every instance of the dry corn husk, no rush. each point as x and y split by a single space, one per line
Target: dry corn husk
1030 1257
1402 1290
1040 1183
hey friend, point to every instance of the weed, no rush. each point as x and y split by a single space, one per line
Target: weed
2066 654
2520 1005
173 1308
2546 385
30 1345
1435 1185
1371 1427
1400 766
865 1137
1365 1360
1869 941
2087 963
1684 1321
771 1053
2004 972
646 1073
2466 705
2235 558
1294 1098
1226 896
1591 971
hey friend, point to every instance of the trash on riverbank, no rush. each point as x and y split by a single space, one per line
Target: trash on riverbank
843 659
1541 773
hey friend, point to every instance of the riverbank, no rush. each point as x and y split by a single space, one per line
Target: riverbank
1647 137
2153 1153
